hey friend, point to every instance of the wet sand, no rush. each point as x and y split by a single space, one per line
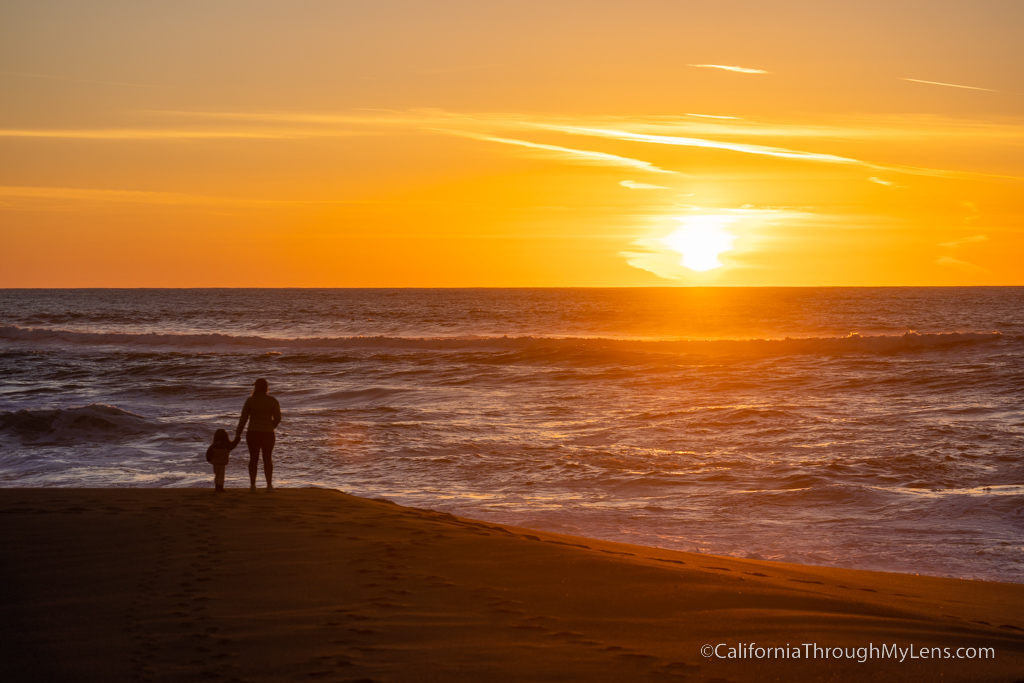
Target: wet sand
310 584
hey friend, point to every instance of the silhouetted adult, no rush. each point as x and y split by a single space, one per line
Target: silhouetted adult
263 413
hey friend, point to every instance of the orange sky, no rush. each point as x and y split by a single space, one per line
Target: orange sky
451 143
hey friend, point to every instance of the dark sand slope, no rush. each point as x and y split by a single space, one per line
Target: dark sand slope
306 584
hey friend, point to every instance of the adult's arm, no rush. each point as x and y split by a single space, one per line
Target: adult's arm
277 413
243 419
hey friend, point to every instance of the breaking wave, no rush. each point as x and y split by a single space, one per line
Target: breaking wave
851 343
68 426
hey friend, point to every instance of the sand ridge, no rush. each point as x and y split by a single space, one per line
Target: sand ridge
314 584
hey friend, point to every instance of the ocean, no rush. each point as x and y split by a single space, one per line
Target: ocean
872 428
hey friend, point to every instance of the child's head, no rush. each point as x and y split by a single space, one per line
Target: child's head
220 438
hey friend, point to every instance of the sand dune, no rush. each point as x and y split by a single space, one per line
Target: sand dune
309 584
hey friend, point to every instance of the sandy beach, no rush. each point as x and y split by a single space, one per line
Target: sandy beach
311 584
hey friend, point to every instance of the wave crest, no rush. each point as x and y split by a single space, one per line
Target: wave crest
67 426
852 343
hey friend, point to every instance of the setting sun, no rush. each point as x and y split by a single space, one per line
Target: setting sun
700 240
629 340
508 146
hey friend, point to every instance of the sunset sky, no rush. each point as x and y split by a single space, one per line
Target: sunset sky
391 143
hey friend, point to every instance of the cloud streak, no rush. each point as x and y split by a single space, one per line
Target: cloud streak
148 134
898 128
949 85
764 150
709 144
879 181
966 240
684 132
960 265
713 116
151 198
633 185
568 154
104 196
737 69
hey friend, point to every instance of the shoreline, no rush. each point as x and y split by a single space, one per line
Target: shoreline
315 584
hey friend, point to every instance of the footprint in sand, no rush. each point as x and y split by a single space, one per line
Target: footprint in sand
574 545
635 656
681 668
364 631
566 634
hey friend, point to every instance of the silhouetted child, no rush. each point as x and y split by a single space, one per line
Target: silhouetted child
217 455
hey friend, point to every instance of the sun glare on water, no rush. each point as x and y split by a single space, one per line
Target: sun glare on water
700 240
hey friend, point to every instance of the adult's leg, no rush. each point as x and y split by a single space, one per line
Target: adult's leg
268 463
252 442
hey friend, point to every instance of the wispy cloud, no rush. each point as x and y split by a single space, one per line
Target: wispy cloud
149 134
154 198
48 77
949 85
659 251
460 69
702 142
568 154
702 132
633 185
965 240
879 181
104 196
767 151
737 69
961 265
877 128
712 116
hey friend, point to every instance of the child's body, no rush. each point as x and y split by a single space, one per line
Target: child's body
217 455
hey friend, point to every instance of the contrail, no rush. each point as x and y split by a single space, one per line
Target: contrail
566 153
737 69
949 85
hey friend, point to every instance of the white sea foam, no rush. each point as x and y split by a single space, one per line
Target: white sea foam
851 343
